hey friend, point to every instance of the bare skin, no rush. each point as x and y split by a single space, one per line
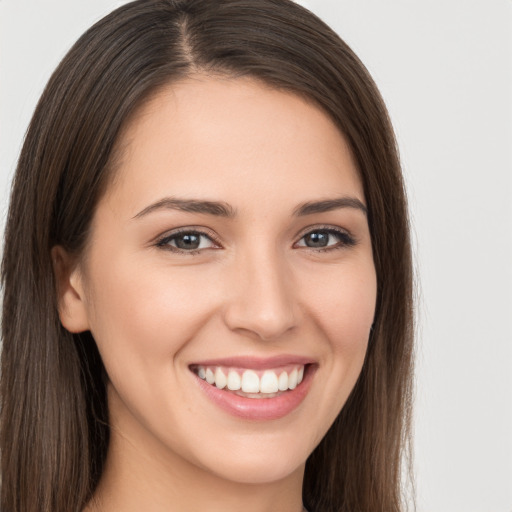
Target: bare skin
261 282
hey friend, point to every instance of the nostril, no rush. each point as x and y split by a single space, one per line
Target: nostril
261 302
265 325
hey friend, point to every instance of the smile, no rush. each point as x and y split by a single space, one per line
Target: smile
256 389
252 383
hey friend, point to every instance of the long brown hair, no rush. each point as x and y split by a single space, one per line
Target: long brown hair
54 419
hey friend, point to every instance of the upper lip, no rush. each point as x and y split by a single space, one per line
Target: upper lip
257 363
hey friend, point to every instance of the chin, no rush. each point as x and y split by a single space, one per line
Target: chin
259 470
257 459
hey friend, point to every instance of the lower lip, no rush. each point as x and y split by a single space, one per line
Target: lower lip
259 408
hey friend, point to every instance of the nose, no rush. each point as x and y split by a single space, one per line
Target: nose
261 297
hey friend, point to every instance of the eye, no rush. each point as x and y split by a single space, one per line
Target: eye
326 239
187 241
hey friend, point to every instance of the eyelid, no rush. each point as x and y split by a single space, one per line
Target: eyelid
162 240
349 239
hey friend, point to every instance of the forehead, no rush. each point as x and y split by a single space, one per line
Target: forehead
235 138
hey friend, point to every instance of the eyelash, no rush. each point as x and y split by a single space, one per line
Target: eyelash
163 243
345 240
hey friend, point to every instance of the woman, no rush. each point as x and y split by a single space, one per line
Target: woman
207 272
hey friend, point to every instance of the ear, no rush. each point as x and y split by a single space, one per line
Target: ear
70 291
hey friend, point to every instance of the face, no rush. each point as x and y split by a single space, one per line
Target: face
229 280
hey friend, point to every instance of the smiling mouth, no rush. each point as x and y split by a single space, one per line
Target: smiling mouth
251 383
256 389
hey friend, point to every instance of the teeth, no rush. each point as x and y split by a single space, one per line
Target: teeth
210 377
292 379
269 383
220 379
283 382
234 381
266 386
250 382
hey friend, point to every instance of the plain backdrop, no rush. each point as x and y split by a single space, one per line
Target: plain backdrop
444 68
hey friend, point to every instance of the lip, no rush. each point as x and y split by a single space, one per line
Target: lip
256 363
258 409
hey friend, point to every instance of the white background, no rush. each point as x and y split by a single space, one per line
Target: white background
445 70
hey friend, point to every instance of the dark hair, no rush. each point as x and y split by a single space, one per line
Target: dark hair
54 419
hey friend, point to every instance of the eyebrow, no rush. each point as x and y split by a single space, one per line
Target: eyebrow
328 205
217 208
222 209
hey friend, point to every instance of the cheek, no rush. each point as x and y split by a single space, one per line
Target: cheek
344 313
142 315
345 306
